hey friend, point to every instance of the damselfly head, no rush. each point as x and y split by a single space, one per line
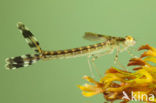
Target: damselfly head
129 41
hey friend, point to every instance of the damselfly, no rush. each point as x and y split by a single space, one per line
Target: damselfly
107 46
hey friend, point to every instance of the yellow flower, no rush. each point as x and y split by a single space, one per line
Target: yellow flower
90 90
116 82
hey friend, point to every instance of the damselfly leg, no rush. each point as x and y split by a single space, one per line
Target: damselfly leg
130 52
93 57
90 66
116 59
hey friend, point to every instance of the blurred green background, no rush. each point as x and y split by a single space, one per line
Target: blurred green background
60 24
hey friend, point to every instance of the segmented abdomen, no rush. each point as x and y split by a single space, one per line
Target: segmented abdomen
91 49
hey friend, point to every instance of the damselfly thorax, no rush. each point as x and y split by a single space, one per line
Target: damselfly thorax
107 45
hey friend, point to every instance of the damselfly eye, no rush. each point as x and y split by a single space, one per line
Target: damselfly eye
130 41
129 38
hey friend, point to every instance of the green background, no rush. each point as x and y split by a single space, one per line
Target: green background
60 24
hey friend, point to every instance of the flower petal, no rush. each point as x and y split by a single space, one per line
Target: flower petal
89 94
136 61
89 79
148 53
151 59
147 47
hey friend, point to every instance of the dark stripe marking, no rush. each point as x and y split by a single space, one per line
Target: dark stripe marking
27 33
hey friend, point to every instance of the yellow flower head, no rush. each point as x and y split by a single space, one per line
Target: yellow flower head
116 83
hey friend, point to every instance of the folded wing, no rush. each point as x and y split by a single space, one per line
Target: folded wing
95 37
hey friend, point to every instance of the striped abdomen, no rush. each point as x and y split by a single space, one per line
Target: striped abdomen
91 49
